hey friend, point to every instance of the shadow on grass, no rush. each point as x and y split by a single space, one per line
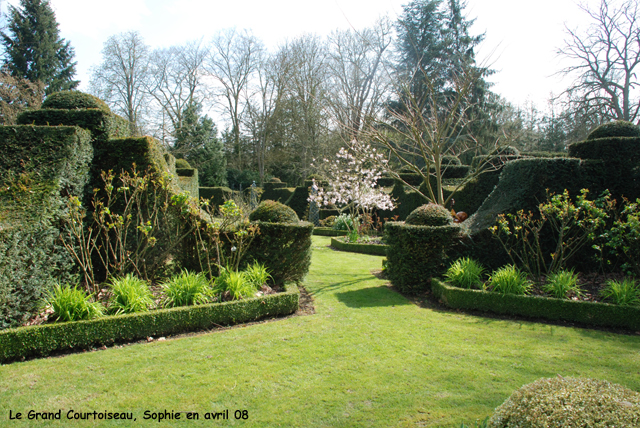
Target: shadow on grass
371 297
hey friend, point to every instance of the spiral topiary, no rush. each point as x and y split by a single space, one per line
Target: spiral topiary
430 215
71 100
273 212
569 402
182 163
617 128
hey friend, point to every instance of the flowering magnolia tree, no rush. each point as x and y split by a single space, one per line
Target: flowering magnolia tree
352 182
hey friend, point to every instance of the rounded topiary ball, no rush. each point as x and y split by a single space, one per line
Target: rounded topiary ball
71 100
569 402
182 163
450 160
275 180
508 151
430 215
273 212
618 128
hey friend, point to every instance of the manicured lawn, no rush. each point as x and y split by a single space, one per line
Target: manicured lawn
368 358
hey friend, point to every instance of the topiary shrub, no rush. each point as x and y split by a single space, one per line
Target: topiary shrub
569 402
275 180
273 212
618 128
450 160
430 215
73 100
182 163
508 151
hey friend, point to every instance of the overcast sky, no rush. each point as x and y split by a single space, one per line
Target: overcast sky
522 37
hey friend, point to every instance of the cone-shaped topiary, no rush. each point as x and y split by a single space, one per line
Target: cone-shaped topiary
430 215
71 100
569 402
617 128
273 212
182 163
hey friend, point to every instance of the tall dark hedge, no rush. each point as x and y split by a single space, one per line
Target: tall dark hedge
285 248
416 253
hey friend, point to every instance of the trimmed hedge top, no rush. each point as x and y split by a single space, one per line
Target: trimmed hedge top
182 163
72 100
618 128
273 212
430 215
569 402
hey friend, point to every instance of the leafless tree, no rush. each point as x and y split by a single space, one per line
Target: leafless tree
232 62
16 95
175 78
605 60
358 77
120 78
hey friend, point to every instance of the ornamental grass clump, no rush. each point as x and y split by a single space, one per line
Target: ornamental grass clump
509 280
625 292
186 289
569 403
465 273
233 284
562 285
257 274
71 304
129 294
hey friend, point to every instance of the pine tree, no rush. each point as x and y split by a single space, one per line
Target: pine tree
34 49
197 141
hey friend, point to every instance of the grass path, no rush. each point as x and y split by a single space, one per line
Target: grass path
368 358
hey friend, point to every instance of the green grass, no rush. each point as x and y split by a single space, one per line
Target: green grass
366 358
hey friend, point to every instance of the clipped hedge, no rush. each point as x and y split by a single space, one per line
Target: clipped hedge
298 201
610 149
416 253
103 126
216 195
281 194
44 339
373 249
588 313
328 231
284 248
40 166
73 100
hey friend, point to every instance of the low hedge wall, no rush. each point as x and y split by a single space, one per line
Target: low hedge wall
328 231
373 249
41 340
590 313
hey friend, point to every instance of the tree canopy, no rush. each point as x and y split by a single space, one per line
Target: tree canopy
34 49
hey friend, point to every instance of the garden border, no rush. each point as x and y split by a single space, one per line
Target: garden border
327 231
41 340
588 313
372 249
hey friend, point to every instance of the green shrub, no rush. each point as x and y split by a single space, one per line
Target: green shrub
562 284
72 304
625 292
465 273
617 128
284 249
186 289
129 294
329 221
216 195
345 222
182 163
257 274
509 280
417 253
430 215
273 212
40 340
569 403
73 100
450 160
298 201
532 306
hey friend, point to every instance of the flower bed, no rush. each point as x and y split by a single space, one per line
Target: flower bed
584 312
373 249
41 340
